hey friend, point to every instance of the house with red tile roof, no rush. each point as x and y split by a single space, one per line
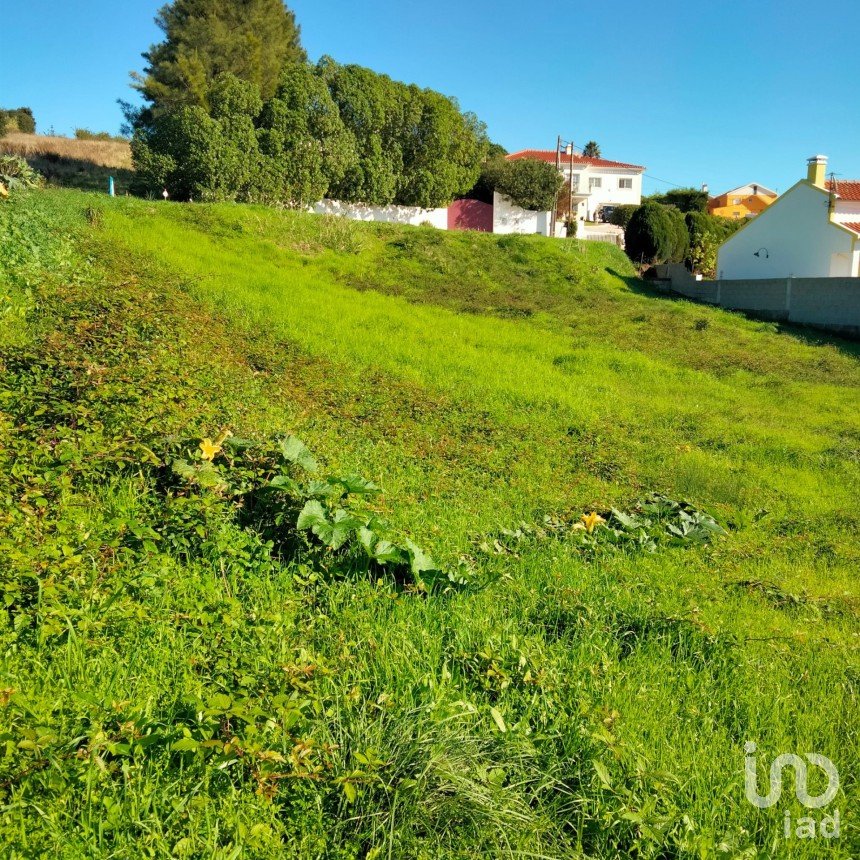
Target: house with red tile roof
811 231
846 209
598 183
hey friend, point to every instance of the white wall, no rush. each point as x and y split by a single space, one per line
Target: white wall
389 214
798 237
508 218
847 210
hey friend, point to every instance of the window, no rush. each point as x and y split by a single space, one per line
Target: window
575 181
595 182
625 183
736 201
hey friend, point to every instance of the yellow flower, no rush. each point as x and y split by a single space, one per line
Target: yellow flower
591 520
209 449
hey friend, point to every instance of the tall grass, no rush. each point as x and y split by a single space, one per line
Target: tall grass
104 153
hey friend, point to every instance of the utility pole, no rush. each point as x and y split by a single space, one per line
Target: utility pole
570 186
558 170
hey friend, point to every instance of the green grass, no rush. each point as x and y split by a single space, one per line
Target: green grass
583 703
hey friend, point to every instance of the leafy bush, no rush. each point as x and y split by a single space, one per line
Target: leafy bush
304 145
200 155
16 174
707 233
650 235
19 119
86 134
622 213
680 236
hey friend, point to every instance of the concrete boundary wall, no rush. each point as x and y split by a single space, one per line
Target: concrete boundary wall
828 303
506 217
392 214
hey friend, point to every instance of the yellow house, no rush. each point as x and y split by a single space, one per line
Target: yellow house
744 202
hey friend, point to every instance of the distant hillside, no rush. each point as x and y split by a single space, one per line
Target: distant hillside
71 163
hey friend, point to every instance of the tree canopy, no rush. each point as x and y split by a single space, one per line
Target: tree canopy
251 39
591 149
329 130
683 199
528 182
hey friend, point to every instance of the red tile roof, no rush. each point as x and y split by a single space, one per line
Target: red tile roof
548 155
847 189
854 225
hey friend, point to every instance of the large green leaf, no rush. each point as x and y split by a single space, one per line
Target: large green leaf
295 451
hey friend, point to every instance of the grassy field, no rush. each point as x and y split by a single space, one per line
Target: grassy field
187 672
70 163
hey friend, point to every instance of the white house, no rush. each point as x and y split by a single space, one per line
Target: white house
802 234
597 182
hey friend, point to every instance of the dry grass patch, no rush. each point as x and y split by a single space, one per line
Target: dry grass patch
104 153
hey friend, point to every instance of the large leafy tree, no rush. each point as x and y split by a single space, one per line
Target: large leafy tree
304 145
368 108
252 39
199 154
528 182
442 148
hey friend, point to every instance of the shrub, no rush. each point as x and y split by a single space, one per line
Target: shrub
650 234
707 233
16 174
621 214
680 236
86 134
18 119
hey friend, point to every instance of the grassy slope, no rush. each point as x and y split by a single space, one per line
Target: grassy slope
482 381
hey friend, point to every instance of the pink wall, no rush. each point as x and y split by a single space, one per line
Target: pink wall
470 215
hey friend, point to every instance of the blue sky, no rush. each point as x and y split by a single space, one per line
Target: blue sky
699 91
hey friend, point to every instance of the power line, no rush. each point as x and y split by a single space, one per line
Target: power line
645 175
666 181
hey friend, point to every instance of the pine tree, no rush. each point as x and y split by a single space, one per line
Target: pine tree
251 39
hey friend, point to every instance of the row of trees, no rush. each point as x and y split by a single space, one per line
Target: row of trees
234 112
328 130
